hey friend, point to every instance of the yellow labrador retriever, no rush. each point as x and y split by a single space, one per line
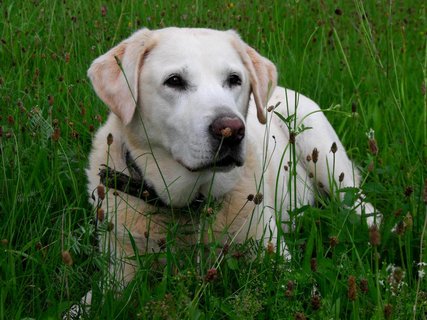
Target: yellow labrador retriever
189 122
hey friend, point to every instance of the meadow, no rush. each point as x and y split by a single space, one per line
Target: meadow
363 62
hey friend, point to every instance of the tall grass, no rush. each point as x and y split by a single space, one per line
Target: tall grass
368 58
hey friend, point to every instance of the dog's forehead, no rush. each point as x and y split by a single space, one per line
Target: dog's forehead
175 45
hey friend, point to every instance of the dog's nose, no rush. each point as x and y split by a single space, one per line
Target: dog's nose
229 128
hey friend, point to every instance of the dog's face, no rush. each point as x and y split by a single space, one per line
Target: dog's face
191 88
194 86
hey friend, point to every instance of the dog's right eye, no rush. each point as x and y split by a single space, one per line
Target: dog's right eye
175 81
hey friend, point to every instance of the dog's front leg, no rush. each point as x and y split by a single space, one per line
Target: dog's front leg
121 271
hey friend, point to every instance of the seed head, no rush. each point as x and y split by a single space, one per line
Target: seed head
388 311
101 192
308 158
403 225
341 177
373 147
408 191
333 241
75 134
315 155
100 214
290 285
334 148
66 258
398 275
110 226
372 143
364 285
50 100
225 248
400 228
109 139
103 11
270 247
299 316
56 134
316 302
226 132
258 198
250 197
10 120
211 275
352 290
374 236
313 264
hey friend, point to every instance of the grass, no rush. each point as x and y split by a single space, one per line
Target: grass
367 57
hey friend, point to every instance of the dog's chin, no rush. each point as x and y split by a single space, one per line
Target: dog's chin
225 164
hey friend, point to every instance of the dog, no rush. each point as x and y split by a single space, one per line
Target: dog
196 115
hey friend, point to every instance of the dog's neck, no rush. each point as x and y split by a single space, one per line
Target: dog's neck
173 184
133 184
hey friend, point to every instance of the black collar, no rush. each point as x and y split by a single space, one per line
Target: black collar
135 185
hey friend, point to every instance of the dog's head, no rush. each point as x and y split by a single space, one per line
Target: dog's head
187 91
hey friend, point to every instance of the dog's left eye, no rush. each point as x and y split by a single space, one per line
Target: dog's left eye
176 81
234 80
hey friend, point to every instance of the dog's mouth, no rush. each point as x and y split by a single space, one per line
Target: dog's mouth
223 164
228 161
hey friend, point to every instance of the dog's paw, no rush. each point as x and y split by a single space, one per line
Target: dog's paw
78 311
74 313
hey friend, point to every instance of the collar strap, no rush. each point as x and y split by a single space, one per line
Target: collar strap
135 185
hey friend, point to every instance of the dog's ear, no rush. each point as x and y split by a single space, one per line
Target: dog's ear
262 74
115 74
